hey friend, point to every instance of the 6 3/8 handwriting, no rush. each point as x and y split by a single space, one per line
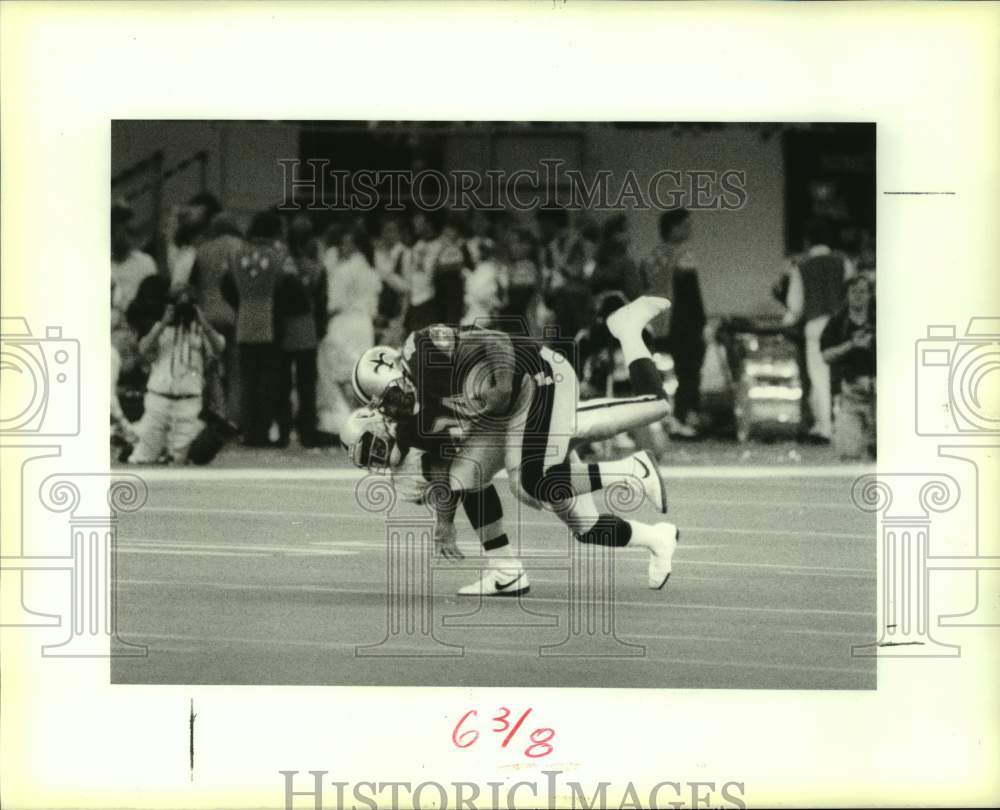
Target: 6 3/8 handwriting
466 732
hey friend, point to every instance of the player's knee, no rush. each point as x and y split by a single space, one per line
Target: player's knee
517 488
554 486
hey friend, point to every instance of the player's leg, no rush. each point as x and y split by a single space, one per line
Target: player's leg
470 475
548 423
536 437
626 324
504 575
151 430
588 525
184 427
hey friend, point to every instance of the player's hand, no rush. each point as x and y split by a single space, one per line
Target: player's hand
168 315
862 340
446 542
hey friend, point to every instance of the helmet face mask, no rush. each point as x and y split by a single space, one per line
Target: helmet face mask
373 452
369 440
398 399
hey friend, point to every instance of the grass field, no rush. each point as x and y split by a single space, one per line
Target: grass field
273 574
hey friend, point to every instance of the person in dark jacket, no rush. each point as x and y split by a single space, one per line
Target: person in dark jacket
848 346
301 296
815 292
250 287
671 271
214 258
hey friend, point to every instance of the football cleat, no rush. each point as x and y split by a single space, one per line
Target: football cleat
662 555
498 582
648 472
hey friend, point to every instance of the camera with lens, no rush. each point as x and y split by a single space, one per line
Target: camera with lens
183 301
40 380
958 380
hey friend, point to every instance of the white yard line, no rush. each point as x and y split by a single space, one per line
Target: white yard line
530 599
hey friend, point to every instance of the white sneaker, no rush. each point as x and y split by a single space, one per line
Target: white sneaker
647 471
498 582
636 314
662 557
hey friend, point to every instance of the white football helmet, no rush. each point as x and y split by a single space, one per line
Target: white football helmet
379 380
370 440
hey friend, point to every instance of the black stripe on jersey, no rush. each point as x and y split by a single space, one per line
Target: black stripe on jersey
617 403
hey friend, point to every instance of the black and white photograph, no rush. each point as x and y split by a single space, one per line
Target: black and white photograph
495 403
541 404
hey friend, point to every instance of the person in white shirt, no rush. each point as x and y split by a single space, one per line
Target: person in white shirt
423 310
353 289
179 347
482 288
815 291
129 266
393 261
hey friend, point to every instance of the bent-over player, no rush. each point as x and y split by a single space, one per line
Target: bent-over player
481 401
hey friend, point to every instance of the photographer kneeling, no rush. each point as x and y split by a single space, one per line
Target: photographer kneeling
848 346
178 347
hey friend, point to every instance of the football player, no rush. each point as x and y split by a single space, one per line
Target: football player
477 401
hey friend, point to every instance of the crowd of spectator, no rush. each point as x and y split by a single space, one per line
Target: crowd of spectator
259 329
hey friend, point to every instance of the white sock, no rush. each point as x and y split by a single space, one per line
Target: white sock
502 558
643 535
633 346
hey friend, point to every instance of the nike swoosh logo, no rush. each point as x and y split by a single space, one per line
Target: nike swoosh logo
645 469
506 585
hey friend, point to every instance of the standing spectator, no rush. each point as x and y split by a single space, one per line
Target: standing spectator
556 240
129 266
614 269
450 263
590 239
328 244
423 309
129 269
848 346
815 291
672 272
250 289
179 345
392 263
187 229
523 282
570 298
481 239
482 288
301 297
352 301
214 258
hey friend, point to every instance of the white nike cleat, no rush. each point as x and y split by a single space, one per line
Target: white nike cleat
498 582
647 470
636 314
662 556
